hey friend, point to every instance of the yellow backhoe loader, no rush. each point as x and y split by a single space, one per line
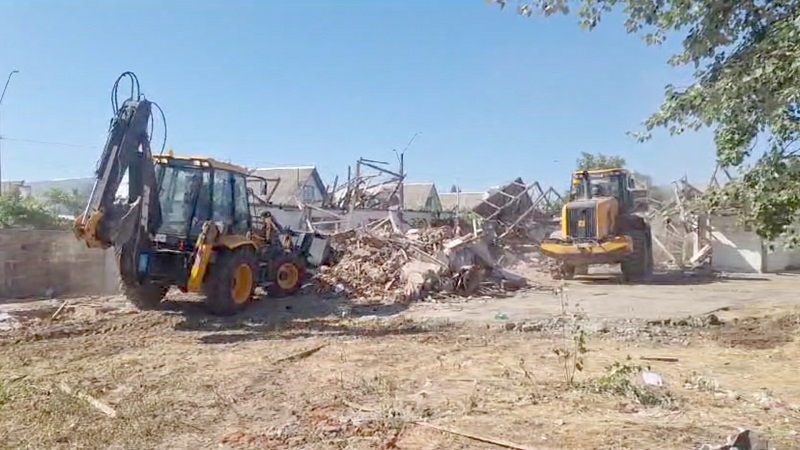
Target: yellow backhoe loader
603 223
187 222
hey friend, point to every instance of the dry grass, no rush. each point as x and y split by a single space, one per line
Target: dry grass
172 387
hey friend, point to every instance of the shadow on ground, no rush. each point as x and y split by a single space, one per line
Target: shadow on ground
295 317
674 278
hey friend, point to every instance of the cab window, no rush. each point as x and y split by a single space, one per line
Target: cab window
222 198
241 214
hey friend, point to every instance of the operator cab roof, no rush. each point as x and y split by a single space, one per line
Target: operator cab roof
200 161
601 172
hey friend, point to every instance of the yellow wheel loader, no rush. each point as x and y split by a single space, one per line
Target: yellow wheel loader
603 223
187 222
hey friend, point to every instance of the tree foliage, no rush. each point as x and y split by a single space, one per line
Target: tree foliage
746 61
592 161
25 212
72 203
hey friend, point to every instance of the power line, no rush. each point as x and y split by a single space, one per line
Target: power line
61 144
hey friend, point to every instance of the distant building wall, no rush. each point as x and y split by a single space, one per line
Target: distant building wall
39 263
737 250
292 217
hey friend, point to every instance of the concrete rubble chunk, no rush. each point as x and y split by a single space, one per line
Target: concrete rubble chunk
743 440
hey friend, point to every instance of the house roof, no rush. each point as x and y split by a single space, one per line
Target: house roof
508 199
415 195
289 181
382 195
466 200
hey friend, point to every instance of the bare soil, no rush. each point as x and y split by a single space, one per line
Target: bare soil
315 373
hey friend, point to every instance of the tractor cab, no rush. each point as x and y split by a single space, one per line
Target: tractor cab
605 183
193 190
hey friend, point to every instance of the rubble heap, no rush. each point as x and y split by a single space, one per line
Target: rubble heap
393 266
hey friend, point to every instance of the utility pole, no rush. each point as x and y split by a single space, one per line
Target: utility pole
458 211
401 183
2 96
401 191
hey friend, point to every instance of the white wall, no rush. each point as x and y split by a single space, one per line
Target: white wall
734 250
780 259
317 197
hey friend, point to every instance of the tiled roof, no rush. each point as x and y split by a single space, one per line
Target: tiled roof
290 179
466 200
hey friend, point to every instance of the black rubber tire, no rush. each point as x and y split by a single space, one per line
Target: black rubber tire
219 281
649 257
567 272
145 297
639 264
275 289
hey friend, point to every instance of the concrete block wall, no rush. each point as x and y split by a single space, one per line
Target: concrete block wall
39 263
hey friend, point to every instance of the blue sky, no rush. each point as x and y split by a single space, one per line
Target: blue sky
268 83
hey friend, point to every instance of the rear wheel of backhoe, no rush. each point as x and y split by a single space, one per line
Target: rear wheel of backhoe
144 297
289 273
639 265
231 281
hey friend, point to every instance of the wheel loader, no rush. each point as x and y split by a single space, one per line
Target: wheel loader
603 223
187 222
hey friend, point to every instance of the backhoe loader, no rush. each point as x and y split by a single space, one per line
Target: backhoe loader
187 221
603 223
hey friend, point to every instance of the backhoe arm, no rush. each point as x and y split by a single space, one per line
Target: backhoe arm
107 222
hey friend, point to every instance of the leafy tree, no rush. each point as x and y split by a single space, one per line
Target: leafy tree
746 60
72 203
19 212
591 161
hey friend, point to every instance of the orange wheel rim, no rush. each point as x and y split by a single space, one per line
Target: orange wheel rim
242 283
288 276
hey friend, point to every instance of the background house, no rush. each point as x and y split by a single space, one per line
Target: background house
287 185
76 190
416 197
464 201
421 197
16 187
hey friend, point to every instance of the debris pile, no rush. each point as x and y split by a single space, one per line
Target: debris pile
743 440
392 266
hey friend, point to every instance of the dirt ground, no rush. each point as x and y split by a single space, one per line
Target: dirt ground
322 373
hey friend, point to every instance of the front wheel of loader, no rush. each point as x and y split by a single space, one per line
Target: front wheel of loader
231 281
288 275
639 265
568 271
